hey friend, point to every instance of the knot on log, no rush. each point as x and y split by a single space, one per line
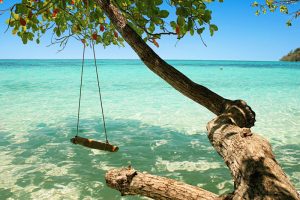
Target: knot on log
240 113
245 132
120 179
249 157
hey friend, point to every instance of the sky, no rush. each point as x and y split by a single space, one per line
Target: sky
242 36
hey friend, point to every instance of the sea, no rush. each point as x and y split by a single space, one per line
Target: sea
157 129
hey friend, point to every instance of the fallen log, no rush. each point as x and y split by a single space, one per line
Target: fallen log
255 171
130 182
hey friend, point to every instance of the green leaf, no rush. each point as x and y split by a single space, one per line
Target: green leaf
200 30
151 27
180 21
212 29
254 4
24 38
192 32
164 14
181 11
173 24
284 9
190 24
207 16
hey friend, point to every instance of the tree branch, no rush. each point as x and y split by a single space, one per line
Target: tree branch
200 94
255 171
130 182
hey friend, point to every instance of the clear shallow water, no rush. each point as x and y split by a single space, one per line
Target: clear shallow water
157 129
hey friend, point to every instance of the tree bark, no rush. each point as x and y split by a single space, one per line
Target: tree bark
249 157
130 182
200 94
255 171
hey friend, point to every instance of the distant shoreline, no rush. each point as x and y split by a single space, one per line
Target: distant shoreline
292 56
132 59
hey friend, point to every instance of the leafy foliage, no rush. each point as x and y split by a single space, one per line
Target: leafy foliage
281 5
85 21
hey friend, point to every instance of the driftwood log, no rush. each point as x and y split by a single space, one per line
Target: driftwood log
130 182
249 157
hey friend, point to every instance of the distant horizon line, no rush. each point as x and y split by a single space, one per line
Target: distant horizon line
138 59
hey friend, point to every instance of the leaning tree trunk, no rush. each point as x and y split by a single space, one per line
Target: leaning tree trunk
249 157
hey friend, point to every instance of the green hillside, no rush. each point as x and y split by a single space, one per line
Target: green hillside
293 56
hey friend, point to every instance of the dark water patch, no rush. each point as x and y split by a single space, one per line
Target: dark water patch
139 146
58 162
59 63
23 87
6 193
5 138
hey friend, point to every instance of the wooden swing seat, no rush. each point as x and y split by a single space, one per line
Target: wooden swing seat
94 144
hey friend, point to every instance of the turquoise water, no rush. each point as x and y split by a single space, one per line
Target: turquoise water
157 129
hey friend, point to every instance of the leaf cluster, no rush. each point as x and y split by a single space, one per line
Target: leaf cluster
84 20
281 5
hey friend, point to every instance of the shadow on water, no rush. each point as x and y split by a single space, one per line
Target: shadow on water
48 161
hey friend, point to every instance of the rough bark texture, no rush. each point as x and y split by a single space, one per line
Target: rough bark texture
255 171
130 182
179 81
105 146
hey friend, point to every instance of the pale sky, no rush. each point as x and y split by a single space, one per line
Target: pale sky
242 36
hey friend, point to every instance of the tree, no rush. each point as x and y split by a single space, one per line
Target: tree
293 56
249 157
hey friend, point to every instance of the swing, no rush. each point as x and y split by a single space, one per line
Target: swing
106 146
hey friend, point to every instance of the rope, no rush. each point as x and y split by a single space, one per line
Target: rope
79 101
99 90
